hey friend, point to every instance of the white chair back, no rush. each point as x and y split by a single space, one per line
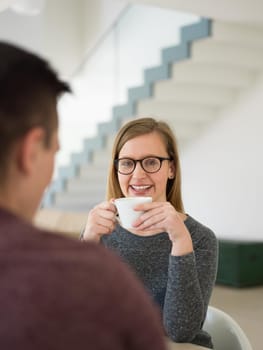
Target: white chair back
225 332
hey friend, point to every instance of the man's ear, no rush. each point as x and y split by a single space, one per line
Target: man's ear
29 149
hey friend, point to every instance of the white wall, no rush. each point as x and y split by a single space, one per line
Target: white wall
63 32
55 33
26 31
223 171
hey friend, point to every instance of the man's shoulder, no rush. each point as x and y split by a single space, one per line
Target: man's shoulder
23 240
51 254
58 245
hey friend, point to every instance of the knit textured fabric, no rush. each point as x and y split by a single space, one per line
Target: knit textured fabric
180 285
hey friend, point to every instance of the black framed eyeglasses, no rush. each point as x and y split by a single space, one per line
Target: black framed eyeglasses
126 166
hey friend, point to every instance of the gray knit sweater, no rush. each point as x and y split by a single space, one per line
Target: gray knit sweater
181 285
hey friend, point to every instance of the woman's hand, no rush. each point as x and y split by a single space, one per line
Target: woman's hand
162 217
101 220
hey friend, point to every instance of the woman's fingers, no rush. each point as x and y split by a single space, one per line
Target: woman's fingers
101 220
160 215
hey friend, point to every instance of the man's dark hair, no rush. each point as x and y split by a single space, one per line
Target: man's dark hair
29 89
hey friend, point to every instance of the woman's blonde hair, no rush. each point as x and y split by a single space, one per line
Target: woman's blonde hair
138 127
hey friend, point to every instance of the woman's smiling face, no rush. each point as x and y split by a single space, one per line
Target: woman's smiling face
141 183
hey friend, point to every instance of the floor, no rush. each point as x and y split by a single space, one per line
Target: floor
245 305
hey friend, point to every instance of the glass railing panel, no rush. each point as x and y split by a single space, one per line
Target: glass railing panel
94 94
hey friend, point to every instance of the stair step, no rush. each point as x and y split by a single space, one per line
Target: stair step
184 112
109 141
96 169
75 207
89 186
217 96
212 74
78 201
246 35
211 51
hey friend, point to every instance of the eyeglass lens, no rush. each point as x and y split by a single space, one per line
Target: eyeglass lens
149 164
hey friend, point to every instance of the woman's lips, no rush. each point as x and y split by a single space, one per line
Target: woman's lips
140 188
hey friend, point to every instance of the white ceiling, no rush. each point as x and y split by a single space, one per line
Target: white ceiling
229 10
232 10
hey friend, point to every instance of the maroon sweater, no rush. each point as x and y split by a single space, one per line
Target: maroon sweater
57 293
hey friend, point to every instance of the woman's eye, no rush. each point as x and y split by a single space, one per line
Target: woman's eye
126 164
151 162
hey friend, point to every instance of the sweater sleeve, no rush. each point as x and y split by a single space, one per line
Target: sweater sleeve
189 286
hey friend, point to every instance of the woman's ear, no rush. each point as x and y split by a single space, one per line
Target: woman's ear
171 173
29 149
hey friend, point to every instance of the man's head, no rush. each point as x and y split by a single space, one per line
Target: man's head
29 89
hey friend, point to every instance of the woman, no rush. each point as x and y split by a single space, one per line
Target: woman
174 255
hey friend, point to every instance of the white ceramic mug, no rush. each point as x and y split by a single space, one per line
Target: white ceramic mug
125 207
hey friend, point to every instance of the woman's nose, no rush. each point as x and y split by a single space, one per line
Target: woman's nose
138 170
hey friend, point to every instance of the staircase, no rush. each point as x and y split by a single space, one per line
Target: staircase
215 63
